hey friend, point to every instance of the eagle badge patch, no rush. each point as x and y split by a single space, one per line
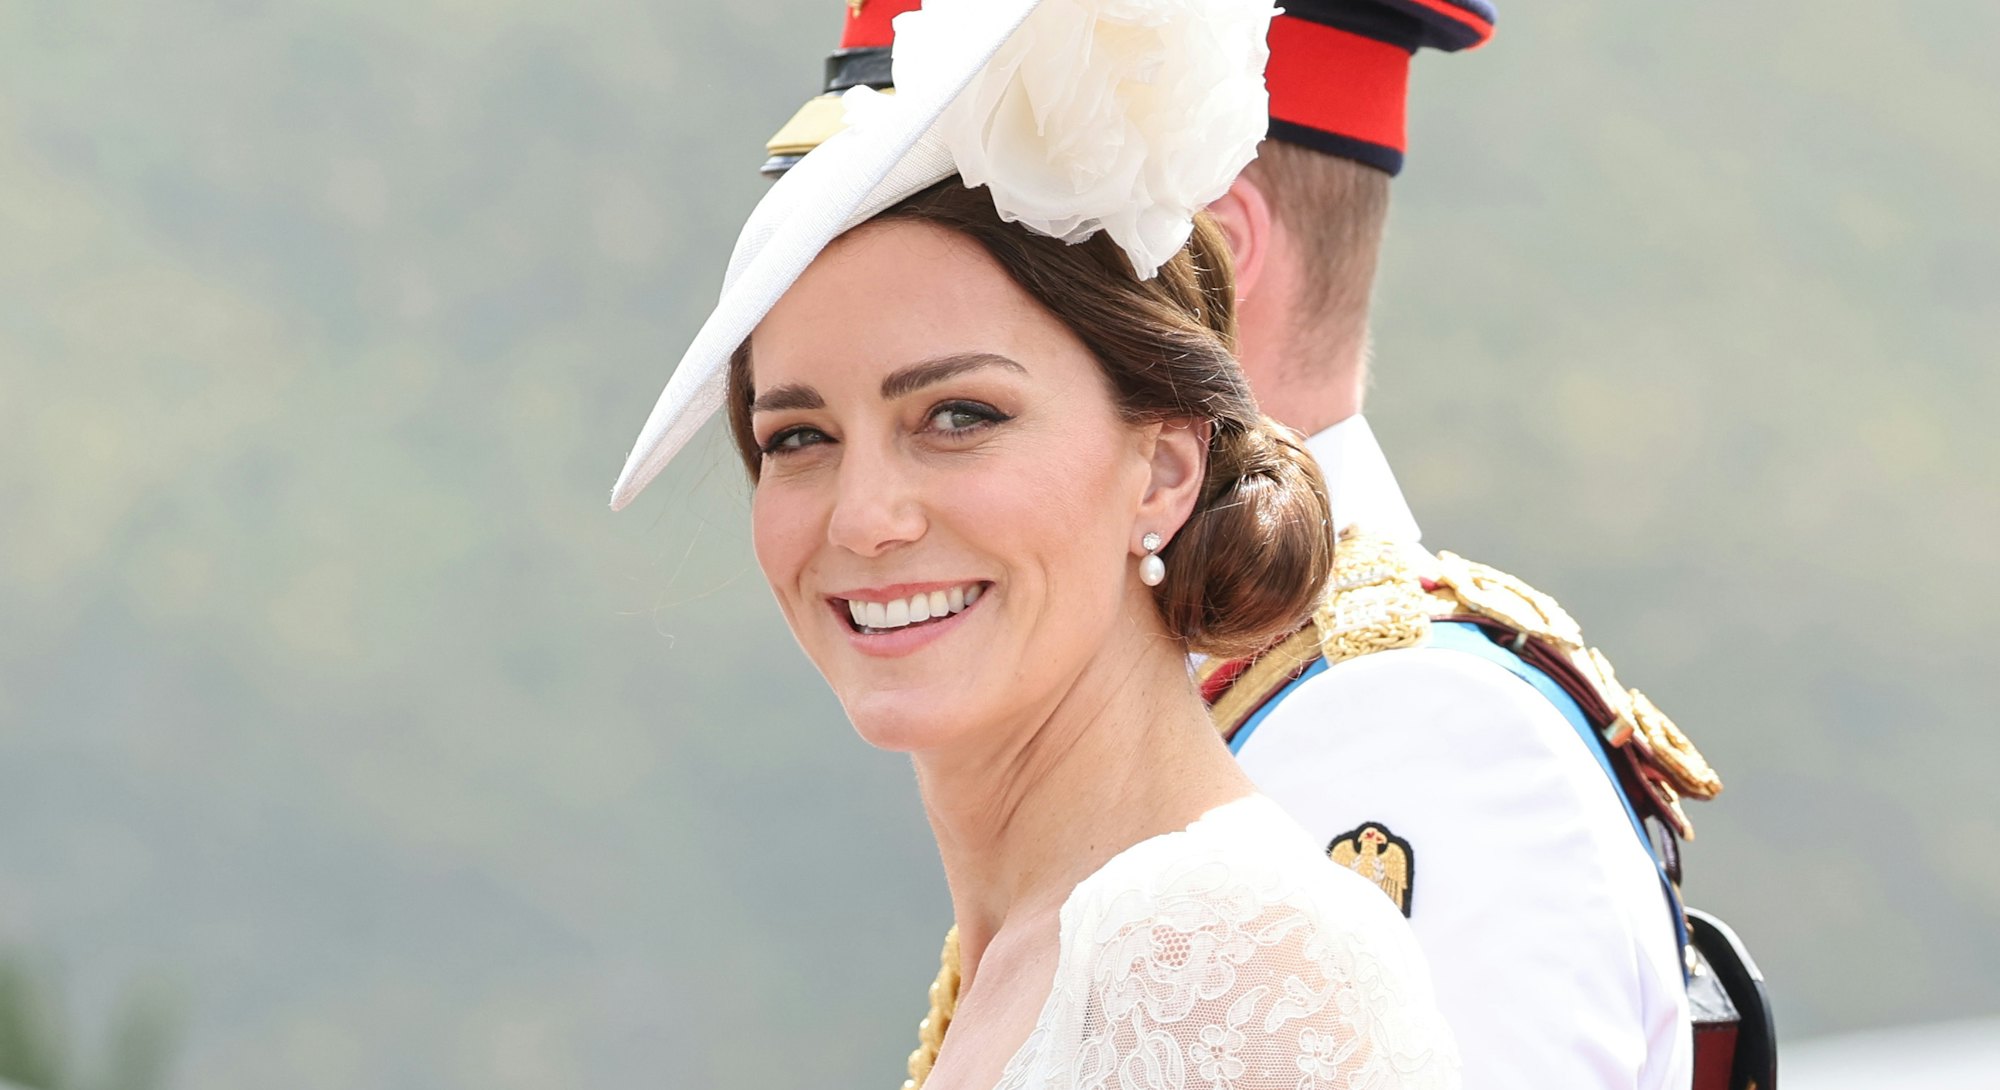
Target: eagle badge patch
1382 857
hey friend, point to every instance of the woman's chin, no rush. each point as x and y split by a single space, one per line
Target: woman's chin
905 722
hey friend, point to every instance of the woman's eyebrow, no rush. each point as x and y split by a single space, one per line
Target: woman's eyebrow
789 397
919 375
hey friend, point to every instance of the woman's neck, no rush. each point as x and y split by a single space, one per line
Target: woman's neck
1024 811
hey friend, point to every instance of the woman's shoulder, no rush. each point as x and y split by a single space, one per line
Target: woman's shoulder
1235 951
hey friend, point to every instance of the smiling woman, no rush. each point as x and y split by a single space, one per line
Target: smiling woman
1008 476
947 409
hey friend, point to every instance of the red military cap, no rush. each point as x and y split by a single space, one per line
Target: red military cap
1338 75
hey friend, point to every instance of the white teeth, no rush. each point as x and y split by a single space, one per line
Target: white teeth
927 606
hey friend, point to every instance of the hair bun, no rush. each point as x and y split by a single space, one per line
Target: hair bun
1249 566
1264 447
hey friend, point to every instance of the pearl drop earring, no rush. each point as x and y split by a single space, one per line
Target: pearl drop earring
1152 570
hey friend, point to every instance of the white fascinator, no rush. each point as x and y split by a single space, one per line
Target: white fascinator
1080 116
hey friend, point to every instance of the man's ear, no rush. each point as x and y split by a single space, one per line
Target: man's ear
1244 214
1179 461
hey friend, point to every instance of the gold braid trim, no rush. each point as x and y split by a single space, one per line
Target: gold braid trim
1375 600
944 1001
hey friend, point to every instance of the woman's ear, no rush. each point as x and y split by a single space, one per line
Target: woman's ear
1244 214
1179 462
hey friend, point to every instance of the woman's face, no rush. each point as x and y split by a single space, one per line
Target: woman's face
948 500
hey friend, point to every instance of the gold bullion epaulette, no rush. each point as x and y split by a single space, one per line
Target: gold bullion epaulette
1386 594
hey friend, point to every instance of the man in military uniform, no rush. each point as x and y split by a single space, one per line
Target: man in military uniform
1441 726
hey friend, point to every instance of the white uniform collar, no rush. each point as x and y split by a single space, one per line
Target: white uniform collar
1364 490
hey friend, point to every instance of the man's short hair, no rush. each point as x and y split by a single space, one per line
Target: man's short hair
1336 208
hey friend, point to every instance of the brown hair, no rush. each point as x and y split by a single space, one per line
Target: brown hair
1337 209
1248 566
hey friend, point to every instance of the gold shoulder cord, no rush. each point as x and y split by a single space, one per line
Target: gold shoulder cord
1636 722
1385 595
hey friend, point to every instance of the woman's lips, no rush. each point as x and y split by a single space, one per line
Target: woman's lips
901 612
893 626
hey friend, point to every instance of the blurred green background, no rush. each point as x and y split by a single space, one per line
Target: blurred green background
335 703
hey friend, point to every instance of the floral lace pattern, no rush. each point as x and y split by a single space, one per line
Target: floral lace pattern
1234 956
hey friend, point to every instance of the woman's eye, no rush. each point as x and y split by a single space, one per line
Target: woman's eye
963 416
792 439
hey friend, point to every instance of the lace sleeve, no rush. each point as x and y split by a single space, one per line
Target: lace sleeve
1226 980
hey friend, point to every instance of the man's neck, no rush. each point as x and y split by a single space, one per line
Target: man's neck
1315 393
1305 378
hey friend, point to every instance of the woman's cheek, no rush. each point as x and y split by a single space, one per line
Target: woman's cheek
781 536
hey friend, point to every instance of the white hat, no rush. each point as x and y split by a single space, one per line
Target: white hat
1125 116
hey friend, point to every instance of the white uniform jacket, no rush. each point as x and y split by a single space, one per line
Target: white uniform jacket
1541 913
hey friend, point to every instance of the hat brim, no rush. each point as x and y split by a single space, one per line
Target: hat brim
849 178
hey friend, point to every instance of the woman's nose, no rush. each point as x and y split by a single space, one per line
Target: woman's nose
878 505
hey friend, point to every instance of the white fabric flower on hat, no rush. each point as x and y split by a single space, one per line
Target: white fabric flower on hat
1126 116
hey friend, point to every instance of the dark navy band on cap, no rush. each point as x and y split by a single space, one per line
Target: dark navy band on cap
1387 160
1446 25
1450 25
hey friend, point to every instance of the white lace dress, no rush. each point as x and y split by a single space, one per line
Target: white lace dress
1233 955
